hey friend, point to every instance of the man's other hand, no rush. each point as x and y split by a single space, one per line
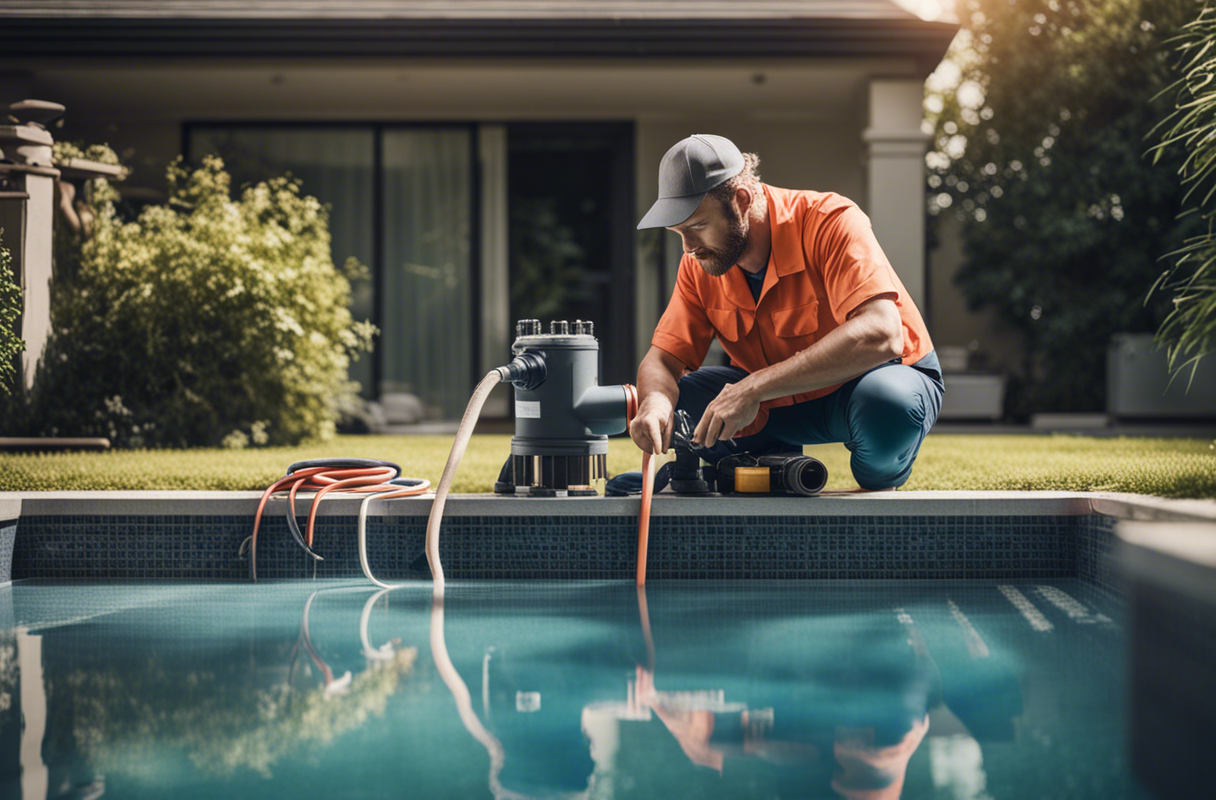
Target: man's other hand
730 412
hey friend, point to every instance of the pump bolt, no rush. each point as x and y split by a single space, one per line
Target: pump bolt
534 327
583 327
521 328
559 327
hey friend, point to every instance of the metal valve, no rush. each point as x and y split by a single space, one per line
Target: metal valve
527 327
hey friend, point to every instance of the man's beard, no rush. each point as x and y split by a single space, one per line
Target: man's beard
719 262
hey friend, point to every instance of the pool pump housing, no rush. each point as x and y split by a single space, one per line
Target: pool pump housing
563 417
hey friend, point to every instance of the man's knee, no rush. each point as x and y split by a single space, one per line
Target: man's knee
887 418
887 408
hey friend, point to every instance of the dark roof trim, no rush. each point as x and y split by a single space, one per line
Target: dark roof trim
26 37
454 9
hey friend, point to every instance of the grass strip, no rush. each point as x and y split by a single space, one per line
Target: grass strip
1183 468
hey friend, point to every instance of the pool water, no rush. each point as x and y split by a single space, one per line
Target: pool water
566 689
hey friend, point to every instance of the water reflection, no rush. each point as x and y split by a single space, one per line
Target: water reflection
557 691
103 704
884 696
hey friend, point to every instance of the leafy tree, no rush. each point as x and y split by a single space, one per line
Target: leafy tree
206 321
1189 331
10 309
1040 112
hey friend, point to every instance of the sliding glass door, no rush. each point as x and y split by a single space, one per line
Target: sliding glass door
429 331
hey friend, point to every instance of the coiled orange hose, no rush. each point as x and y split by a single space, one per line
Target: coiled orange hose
323 480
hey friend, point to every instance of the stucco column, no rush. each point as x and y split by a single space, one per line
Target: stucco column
895 177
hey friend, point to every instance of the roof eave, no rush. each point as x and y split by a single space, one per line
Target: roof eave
573 38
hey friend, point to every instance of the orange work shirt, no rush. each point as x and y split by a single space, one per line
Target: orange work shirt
824 263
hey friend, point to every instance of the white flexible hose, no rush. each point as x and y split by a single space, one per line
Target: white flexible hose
463 434
363 562
384 651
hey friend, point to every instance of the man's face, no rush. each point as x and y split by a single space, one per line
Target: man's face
715 235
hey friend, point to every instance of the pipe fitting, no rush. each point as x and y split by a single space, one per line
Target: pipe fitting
526 371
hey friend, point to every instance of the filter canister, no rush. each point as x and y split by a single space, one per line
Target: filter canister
752 479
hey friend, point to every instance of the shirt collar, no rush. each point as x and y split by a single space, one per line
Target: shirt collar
784 252
786 232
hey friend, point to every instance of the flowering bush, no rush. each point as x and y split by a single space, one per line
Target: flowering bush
205 321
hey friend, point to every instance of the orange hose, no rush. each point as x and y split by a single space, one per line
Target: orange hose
323 480
631 411
644 516
257 519
359 480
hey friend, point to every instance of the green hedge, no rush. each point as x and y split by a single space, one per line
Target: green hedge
209 321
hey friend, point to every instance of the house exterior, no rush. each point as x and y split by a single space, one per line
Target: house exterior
489 159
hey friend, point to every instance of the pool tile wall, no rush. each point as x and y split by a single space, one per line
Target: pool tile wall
8 540
1097 561
206 547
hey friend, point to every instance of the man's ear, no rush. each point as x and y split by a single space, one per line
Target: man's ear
744 199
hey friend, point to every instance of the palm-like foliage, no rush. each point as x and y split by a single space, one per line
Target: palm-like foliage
1189 332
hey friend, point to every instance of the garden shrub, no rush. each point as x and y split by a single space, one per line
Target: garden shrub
207 321
1041 113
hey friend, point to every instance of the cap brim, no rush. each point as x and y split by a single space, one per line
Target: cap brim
668 211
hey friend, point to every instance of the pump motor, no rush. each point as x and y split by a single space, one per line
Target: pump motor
563 417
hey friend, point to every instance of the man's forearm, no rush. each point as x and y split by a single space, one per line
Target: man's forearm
657 383
854 348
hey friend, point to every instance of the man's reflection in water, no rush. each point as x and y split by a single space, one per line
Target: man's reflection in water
812 707
871 757
881 706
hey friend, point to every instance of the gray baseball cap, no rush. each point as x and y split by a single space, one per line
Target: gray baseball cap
688 171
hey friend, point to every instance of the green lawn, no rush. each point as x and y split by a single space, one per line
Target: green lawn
1165 467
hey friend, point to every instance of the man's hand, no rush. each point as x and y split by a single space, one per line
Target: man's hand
651 428
731 411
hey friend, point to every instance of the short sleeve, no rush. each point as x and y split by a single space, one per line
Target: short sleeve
684 330
853 265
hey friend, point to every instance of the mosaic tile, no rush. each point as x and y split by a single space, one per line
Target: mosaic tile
8 536
801 547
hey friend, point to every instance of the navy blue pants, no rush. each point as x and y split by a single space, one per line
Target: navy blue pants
881 416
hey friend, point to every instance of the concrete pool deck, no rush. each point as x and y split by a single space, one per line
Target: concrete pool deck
14 505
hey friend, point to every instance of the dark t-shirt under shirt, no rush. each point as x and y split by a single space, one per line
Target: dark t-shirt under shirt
755 281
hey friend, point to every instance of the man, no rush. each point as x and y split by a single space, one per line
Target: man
824 342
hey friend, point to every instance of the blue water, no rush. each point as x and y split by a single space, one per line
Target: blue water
740 690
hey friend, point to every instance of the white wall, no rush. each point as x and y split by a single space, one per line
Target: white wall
950 322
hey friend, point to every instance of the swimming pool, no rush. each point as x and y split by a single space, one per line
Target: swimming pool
769 689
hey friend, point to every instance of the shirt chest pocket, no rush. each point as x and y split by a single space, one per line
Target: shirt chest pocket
790 323
725 322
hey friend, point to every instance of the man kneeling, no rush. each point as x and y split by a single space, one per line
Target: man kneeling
825 344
